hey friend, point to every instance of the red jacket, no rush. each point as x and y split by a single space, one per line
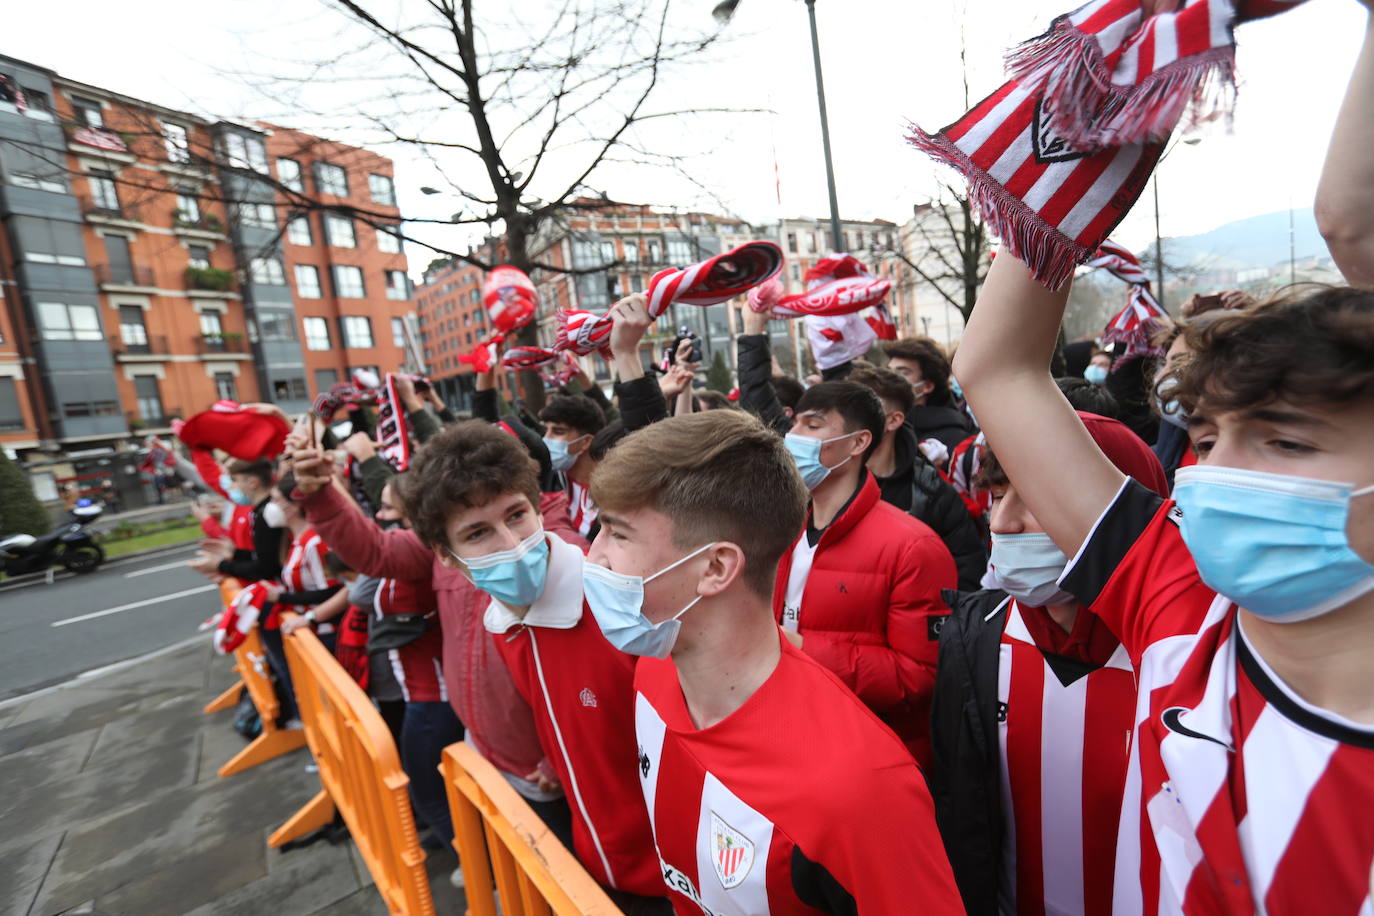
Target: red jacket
581 689
871 611
480 690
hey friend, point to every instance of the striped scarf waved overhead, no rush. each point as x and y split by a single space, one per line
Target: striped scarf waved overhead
1057 156
1136 324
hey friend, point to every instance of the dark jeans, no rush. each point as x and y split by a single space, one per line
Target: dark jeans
427 729
557 816
281 671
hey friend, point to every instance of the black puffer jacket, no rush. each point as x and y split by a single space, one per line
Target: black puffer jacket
949 425
966 780
917 488
754 358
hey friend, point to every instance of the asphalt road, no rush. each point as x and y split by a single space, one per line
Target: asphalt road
128 607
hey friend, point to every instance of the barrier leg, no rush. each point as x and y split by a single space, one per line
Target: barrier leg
263 748
226 700
316 813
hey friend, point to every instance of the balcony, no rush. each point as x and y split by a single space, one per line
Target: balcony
121 214
205 225
154 346
139 423
99 141
125 276
220 344
209 279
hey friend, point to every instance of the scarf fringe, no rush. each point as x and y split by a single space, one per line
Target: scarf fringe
1089 111
1050 254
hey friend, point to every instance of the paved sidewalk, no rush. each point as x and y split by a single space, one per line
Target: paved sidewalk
109 804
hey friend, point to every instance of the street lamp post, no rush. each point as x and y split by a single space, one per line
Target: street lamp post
1159 239
723 12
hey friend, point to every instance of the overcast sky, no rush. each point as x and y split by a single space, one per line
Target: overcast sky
886 63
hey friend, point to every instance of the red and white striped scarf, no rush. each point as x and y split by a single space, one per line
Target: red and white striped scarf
510 298
1054 199
710 282
1110 75
519 358
1136 324
837 285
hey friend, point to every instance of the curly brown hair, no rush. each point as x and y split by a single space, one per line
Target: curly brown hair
467 465
720 475
1308 346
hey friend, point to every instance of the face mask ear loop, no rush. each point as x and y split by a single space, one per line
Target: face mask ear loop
691 604
1363 491
680 562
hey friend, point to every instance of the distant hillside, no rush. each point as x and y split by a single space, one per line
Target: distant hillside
1258 241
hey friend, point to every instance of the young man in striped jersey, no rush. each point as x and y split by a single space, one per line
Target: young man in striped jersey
1034 702
1247 602
771 788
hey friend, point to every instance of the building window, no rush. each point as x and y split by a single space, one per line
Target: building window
225 387
636 283
211 325
149 398
245 152
188 208
607 252
38 182
198 256
260 215
11 417
103 192
655 251
276 325
348 282
792 242
267 271
331 179
177 143
398 332
810 243
680 252
316 333
357 332
289 389
388 242
298 231
308 282
289 174
396 286
340 230
69 322
132 331
383 190
88 112
325 379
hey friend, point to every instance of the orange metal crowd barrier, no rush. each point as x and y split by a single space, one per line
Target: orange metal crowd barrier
501 840
250 661
361 775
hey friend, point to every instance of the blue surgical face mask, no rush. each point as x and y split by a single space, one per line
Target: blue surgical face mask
1096 374
514 577
238 496
617 603
559 455
1028 567
1275 545
806 451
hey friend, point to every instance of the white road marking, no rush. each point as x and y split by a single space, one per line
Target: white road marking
179 564
136 604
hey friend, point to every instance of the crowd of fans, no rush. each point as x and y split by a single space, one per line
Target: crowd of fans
887 642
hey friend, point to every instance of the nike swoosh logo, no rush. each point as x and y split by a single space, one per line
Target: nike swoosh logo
1170 718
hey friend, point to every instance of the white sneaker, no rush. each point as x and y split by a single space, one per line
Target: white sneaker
293 725
457 879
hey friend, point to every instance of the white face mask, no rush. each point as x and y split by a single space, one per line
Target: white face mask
1028 567
273 515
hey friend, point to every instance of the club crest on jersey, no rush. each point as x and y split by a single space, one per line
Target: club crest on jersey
587 697
732 853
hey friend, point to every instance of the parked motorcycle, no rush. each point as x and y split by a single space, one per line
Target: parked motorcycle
69 545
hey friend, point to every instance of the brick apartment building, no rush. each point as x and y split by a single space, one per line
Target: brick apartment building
153 261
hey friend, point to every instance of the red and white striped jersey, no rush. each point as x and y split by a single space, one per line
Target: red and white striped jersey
581 510
416 665
800 802
1064 730
1241 797
303 571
